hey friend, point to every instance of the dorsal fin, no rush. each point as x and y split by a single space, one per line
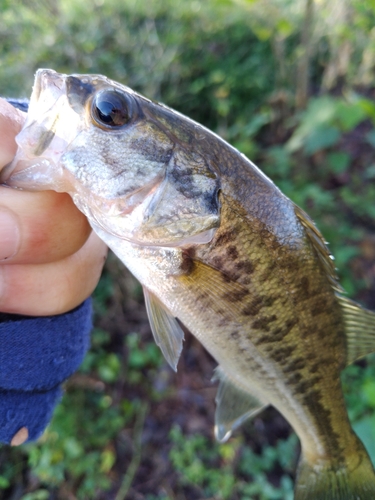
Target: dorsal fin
167 332
359 329
233 406
320 246
359 322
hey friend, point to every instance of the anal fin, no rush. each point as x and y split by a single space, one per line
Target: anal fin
359 329
233 406
167 332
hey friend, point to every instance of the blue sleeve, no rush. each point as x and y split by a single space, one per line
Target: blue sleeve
36 356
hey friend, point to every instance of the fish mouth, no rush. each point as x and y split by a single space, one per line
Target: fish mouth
40 127
43 137
47 78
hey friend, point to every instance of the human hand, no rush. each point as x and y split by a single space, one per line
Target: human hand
50 260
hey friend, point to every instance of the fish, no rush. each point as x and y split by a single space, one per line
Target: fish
219 249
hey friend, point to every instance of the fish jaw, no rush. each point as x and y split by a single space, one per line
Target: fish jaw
44 137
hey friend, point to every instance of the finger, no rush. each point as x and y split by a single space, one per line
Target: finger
11 121
54 288
39 227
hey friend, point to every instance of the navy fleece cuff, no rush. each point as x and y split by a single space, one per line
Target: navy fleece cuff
25 415
39 353
36 355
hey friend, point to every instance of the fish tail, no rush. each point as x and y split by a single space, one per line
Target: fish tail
323 481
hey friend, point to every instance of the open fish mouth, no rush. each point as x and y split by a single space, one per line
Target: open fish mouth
44 137
42 119
47 79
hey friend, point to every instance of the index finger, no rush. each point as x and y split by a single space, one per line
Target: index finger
39 227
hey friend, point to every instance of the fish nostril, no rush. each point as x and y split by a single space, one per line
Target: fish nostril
78 91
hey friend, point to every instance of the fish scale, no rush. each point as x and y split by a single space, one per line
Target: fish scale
272 332
217 247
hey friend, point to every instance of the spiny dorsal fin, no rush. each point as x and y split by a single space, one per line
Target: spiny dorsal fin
167 332
320 246
359 329
234 406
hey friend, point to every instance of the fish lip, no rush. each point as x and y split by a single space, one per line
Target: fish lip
25 178
48 83
43 78
48 87
39 82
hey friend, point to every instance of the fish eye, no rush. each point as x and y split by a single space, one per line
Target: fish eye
111 109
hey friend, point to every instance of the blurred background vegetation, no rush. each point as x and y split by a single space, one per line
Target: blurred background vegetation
291 84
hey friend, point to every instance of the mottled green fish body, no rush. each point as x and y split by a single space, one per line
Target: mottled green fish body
216 245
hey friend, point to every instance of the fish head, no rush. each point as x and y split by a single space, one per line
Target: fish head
129 164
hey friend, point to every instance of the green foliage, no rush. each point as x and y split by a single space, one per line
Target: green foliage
140 357
325 119
37 495
76 451
359 388
76 447
232 470
319 171
106 365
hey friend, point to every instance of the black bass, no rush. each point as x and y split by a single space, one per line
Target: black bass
216 245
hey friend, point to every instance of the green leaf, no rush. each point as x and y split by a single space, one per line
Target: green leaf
365 428
338 161
349 115
284 27
368 107
369 392
320 110
262 32
4 482
319 114
321 138
256 123
37 495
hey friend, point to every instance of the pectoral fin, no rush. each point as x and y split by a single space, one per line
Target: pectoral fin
167 332
359 329
234 406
